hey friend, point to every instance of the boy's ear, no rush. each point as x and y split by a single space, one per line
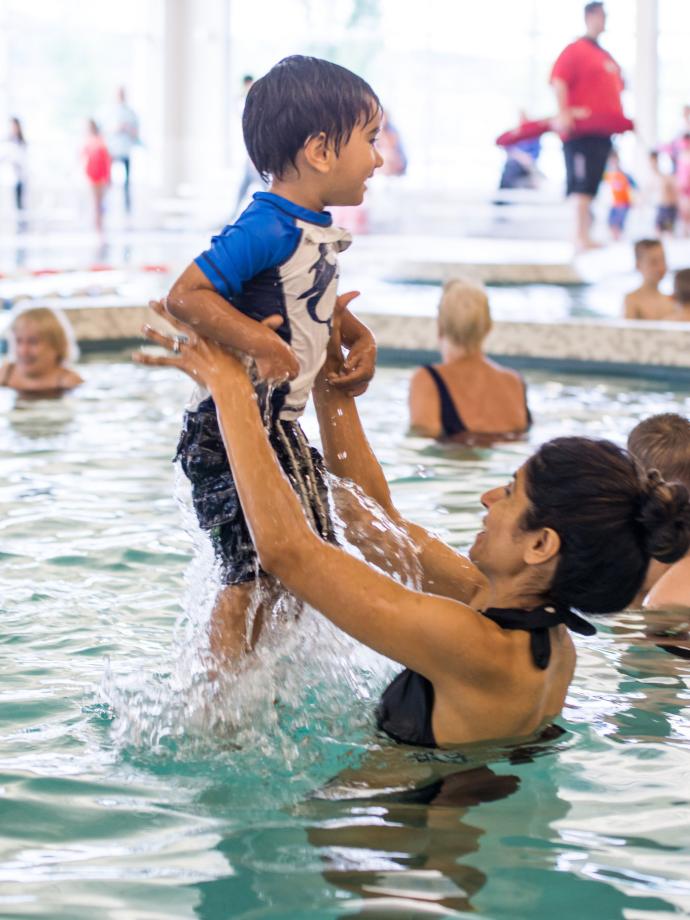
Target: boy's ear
318 153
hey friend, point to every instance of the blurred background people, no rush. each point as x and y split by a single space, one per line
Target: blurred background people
621 186
647 301
97 164
681 296
123 137
683 183
16 153
41 349
520 168
250 176
664 191
586 77
466 392
391 148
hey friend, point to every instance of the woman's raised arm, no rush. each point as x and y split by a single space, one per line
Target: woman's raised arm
430 634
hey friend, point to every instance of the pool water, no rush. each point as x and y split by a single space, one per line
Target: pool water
128 790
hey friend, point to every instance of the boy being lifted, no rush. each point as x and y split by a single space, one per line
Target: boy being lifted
267 287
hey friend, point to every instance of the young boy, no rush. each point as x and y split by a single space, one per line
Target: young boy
647 301
681 296
665 193
621 186
267 287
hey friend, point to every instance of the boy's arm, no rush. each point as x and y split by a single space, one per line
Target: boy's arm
194 300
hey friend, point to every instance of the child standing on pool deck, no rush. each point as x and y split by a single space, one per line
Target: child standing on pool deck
267 287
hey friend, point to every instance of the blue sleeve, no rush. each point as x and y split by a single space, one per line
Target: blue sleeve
260 239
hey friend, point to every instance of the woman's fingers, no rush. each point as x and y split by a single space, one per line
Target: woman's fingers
141 357
153 335
158 306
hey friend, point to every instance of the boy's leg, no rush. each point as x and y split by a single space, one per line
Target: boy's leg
238 617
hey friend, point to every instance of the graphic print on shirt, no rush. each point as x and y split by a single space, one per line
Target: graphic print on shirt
324 272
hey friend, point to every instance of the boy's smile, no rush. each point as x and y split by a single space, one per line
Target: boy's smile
356 162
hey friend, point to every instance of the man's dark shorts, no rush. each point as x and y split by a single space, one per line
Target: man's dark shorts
202 455
585 162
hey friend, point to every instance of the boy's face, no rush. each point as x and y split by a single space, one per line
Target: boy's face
652 264
355 164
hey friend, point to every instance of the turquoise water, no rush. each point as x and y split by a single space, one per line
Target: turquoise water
127 790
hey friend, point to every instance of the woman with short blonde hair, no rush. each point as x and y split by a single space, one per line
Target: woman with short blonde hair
466 393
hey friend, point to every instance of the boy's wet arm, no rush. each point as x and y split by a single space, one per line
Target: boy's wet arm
195 301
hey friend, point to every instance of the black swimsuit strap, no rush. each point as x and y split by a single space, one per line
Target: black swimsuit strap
537 622
451 422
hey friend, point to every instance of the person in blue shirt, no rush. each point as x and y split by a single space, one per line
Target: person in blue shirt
266 287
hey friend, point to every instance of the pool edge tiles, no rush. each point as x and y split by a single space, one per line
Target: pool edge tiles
575 344
585 344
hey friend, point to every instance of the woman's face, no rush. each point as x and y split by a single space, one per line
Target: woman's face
499 548
35 355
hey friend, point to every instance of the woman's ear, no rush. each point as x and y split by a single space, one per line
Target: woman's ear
544 545
318 153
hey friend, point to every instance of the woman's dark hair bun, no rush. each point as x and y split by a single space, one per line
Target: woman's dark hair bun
665 517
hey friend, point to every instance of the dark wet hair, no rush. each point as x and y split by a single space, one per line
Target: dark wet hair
681 286
298 99
611 518
662 442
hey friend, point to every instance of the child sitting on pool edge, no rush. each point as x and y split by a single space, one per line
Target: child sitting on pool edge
41 346
267 287
647 301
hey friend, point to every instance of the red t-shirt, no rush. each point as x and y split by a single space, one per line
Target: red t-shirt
595 82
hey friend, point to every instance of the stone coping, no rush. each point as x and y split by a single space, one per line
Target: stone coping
577 341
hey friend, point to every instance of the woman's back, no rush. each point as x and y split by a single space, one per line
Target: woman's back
470 394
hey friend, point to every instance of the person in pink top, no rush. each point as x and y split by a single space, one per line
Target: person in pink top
97 162
683 182
588 84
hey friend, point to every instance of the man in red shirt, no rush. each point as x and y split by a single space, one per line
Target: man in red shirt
588 85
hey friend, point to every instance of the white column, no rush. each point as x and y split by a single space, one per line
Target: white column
646 72
195 95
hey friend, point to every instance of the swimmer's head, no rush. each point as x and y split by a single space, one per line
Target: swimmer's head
681 287
464 317
662 442
650 260
299 99
610 518
39 341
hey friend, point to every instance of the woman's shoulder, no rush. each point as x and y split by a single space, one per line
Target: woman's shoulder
506 374
69 379
672 589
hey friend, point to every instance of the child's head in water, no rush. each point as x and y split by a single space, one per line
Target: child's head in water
662 442
650 260
312 123
40 344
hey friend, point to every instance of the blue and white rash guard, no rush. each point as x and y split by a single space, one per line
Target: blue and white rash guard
280 258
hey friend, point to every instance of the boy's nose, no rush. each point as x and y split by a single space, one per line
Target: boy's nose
379 159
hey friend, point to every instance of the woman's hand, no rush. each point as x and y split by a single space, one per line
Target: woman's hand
204 361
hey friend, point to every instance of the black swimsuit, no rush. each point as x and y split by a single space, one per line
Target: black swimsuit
407 704
451 422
